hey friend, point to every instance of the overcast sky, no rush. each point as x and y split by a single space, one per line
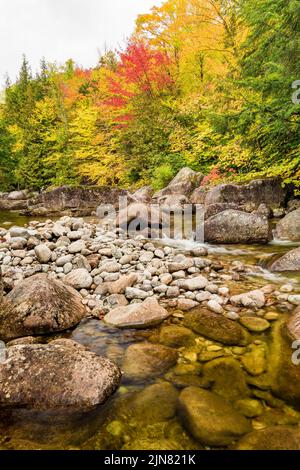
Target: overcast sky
62 29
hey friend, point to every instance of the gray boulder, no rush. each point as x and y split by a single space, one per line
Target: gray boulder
250 196
288 262
184 183
60 375
288 228
39 305
232 226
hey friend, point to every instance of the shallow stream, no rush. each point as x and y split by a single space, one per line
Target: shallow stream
140 416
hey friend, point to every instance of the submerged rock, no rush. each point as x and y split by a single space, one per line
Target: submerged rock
39 305
216 327
285 360
144 361
59 375
137 315
271 438
210 418
176 336
226 378
155 403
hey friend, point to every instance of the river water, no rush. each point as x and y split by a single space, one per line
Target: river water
138 416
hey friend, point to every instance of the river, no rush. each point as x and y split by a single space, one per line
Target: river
138 416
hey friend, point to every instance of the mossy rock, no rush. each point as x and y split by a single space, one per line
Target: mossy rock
216 327
272 438
226 378
176 336
209 418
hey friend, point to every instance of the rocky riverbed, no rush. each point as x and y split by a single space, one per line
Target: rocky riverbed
129 343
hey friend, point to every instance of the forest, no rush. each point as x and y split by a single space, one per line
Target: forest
201 83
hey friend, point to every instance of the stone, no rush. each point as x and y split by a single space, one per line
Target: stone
137 315
62 260
172 292
79 279
16 232
252 299
180 263
39 305
143 194
42 253
254 361
255 324
80 200
214 306
144 361
184 182
59 230
209 418
271 438
249 407
250 196
109 267
60 375
135 293
284 357
288 228
155 403
76 247
120 286
232 226
186 304
216 327
294 299
116 300
225 377
176 336
288 262
194 283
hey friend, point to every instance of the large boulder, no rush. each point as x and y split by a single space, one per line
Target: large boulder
138 217
80 201
137 315
250 196
210 418
59 375
216 327
184 183
288 228
288 262
199 195
232 226
39 305
143 194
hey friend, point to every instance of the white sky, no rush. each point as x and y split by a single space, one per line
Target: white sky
63 29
